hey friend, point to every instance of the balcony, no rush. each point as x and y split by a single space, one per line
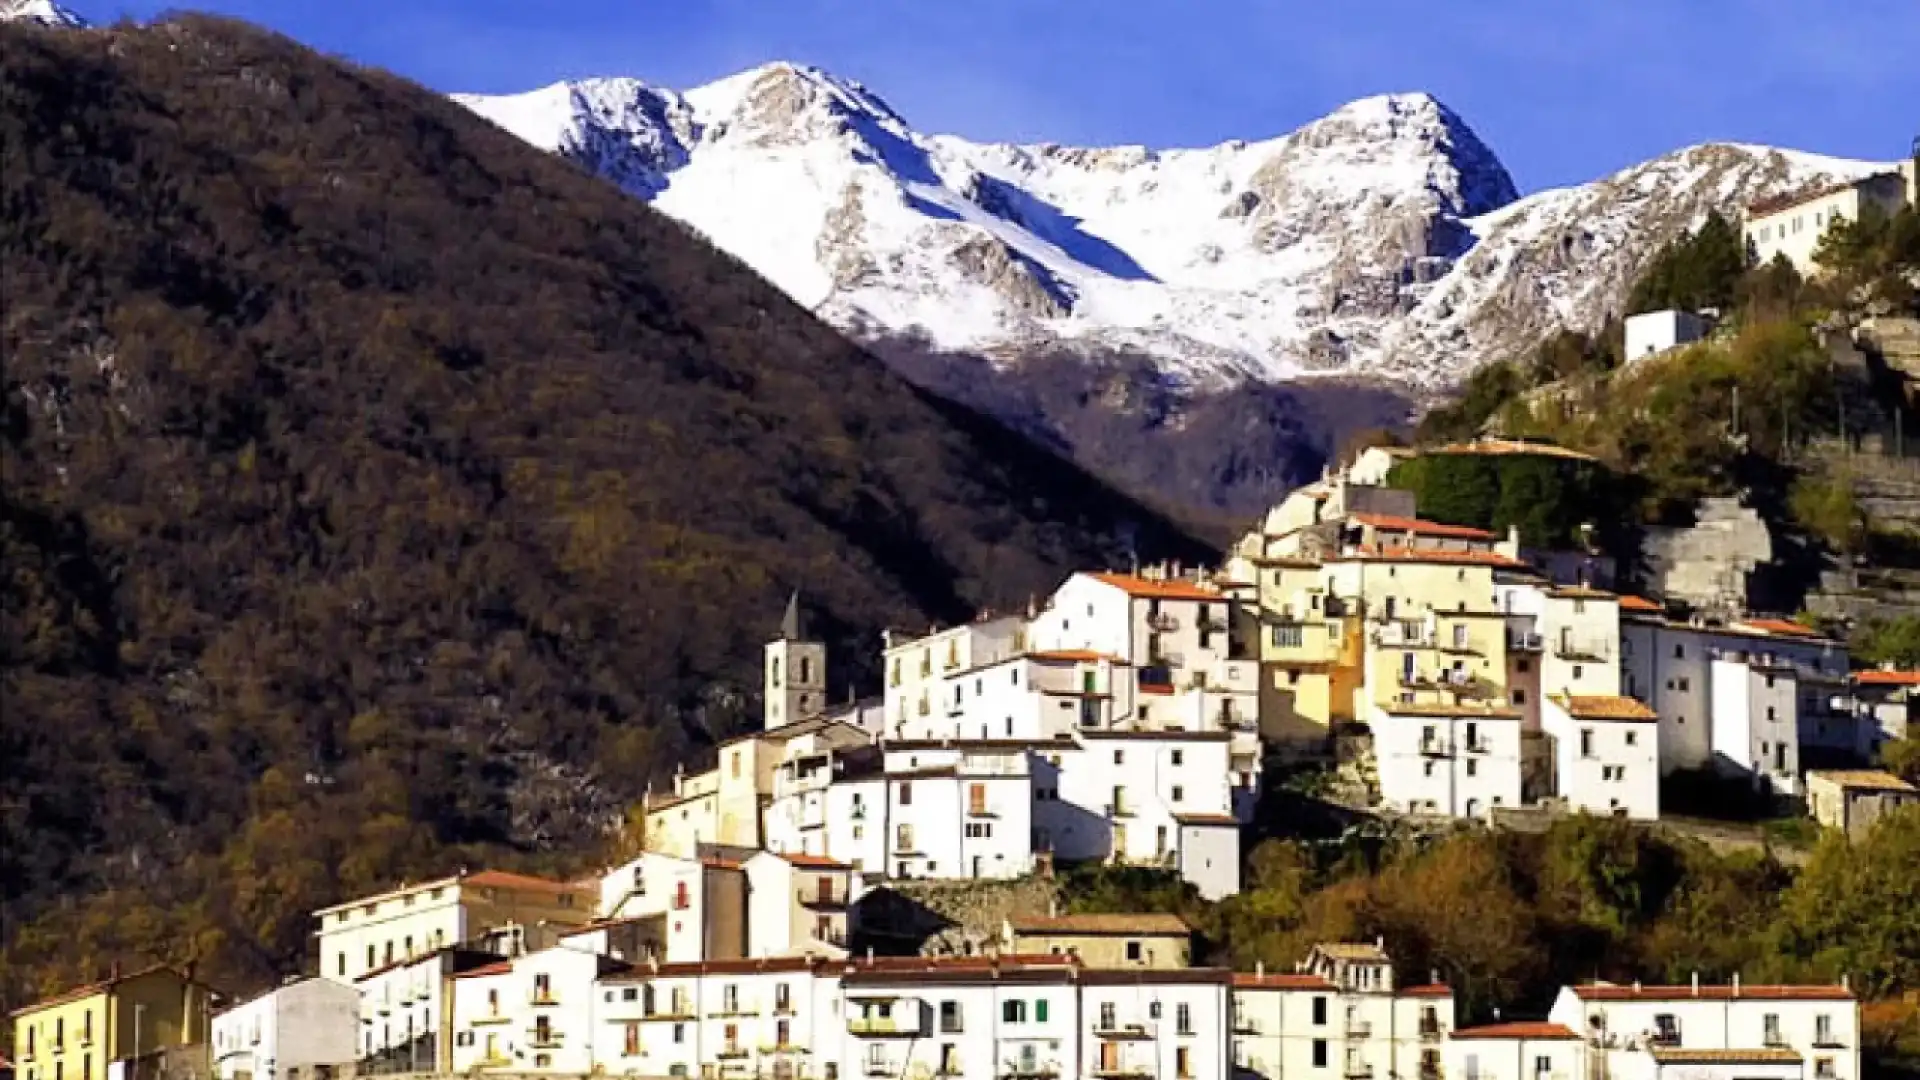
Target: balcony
727 1053
1359 1029
1358 1070
1118 1031
1119 810
884 1027
543 1038
679 1010
1113 1071
542 998
1163 622
823 900
735 1011
1477 745
1523 642
880 1067
492 1018
1593 651
1246 1025
1028 1070
1436 748
1430 1032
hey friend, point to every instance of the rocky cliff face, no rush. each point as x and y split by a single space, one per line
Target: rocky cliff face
1384 244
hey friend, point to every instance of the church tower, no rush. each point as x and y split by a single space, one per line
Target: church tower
796 672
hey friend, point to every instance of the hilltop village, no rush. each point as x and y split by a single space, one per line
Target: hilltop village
1127 719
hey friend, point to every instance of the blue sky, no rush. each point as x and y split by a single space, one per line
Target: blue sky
1564 90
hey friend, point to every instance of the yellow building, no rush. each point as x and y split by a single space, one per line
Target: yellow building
1303 642
373 932
78 1034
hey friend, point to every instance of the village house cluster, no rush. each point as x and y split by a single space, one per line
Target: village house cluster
1128 718
634 975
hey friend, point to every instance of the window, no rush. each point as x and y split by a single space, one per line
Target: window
730 999
1040 1010
903 837
631 1046
1109 1017
950 1016
1182 1060
1523 665
1183 1022
1119 757
1013 1012
1633 738
340 964
1178 792
1473 767
1179 757
976 799
1679 651
1133 950
1519 697
1586 742
1666 1029
1823 1030
906 793
1289 637
1319 1018
1770 1030
734 765
679 1034
1319 1053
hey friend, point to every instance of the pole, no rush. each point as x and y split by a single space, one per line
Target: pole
138 1009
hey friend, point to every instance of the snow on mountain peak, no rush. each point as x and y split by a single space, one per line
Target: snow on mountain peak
1383 239
42 12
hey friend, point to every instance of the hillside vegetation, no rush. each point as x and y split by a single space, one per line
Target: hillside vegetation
381 493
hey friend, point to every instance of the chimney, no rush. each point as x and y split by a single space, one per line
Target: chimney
1696 984
1846 981
869 956
1736 984
1053 906
1259 969
653 962
1636 986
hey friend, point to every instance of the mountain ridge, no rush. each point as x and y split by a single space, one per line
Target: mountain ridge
1308 253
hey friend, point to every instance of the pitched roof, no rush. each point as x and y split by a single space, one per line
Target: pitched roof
1616 992
1419 526
1760 208
1583 592
1207 819
1145 922
1865 779
1466 712
1285 980
1073 656
102 986
749 966
1605 707
1681 1055
1516 1029
1639 603
1156 689
1887 678
1135 585
504 879
1428 990
500 968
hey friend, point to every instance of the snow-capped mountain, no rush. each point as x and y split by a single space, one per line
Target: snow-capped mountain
43 12
1384 240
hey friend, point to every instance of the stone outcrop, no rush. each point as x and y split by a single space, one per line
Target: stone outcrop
1708 564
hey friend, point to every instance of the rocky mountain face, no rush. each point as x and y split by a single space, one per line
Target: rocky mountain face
39 13
1383 244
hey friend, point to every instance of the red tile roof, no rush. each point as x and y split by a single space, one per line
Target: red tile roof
1290 980
1887 678
1429 990
1615 992
1158 689
1779 626
1639 603
1073 656
1518 1029
501 968
1419 526
1134 585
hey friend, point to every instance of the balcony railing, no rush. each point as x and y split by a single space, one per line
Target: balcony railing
823 899
542 997
1435 748
1430 1032
727 1052
880 1067
1359 1029
1029 1070
1121 1072
1163 622
1120 1031
1593 651
543 1038
883 1026
1358 1070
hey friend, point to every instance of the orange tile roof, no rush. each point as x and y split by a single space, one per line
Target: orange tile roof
1470 712
1207 819
1145 922
1638 603
1779 626
1286 980
1419 526
718 863
1407 554
1156 688
1887 678
1616 992
1581 592
1517 1029
1604 707
1134 585
1429 990
504 879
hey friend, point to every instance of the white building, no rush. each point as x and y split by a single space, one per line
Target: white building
776 1016
1792 225
288 1033
416 919
1606 754
702 903
1517 1050
404 1008
1756 720
1456 760
928 678
1653 332
1797 1032
531 1013
1345 1018
798 905
1884 703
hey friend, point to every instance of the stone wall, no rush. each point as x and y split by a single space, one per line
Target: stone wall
1709 564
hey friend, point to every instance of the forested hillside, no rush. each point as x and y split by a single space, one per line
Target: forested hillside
382 493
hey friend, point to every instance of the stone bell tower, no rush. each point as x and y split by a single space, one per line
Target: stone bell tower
796 672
